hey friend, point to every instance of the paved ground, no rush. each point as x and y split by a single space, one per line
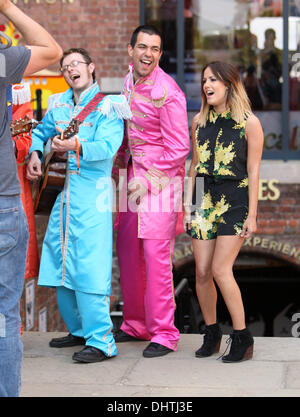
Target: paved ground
273 372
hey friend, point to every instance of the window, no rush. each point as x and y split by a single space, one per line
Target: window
163 15
261 37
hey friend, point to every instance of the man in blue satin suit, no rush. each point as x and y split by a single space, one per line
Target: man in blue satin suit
77 249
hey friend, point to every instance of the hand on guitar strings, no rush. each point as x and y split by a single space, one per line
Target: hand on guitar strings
60 146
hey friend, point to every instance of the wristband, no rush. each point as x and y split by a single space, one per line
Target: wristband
77 151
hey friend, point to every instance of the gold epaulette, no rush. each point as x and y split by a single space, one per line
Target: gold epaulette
159 96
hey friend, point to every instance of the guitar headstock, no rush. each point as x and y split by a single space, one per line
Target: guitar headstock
17 127
72 129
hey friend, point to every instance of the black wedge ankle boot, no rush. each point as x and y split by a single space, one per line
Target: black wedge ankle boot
211 341
241 348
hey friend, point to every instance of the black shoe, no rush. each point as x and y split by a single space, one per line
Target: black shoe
154 350
67 341
121 336
89 354
241 348
211 341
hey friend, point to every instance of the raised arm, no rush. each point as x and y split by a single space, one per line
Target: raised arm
44 49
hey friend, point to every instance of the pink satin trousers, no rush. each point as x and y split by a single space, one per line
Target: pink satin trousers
147 284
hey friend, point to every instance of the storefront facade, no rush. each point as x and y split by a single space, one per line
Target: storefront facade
262 38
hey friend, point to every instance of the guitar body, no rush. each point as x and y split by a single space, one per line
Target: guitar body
54 173
50 185
54 168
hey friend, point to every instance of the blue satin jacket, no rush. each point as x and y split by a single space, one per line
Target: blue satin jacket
77 249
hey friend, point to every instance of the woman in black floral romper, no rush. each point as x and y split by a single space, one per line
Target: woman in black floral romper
224 176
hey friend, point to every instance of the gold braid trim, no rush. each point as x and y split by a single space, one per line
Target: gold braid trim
158 103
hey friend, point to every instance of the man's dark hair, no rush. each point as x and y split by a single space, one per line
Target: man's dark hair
81 51
150 30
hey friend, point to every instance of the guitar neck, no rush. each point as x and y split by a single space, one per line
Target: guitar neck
17 127
71 130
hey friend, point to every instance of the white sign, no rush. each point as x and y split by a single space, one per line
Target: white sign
43 320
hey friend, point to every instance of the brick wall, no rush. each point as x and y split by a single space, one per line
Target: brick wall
103 27
279 226
283 218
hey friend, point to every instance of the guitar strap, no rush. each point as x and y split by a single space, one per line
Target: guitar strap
89 107
80 117
84 113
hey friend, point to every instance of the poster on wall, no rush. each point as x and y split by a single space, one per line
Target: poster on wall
43 320
29 299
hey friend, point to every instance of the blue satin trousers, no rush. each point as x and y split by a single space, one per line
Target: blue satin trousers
88 315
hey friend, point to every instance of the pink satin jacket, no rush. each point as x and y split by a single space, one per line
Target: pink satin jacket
157 140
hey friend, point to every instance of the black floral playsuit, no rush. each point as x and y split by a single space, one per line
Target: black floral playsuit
222 152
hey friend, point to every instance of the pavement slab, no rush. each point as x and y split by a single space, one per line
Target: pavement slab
274 371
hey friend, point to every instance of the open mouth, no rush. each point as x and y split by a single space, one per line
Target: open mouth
75 77
146 62
209 93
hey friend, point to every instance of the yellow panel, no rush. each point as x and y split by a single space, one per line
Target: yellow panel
48 84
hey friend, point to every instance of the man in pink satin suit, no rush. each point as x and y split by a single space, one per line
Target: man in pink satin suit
152 160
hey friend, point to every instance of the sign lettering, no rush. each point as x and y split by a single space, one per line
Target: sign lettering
268 190
252 242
